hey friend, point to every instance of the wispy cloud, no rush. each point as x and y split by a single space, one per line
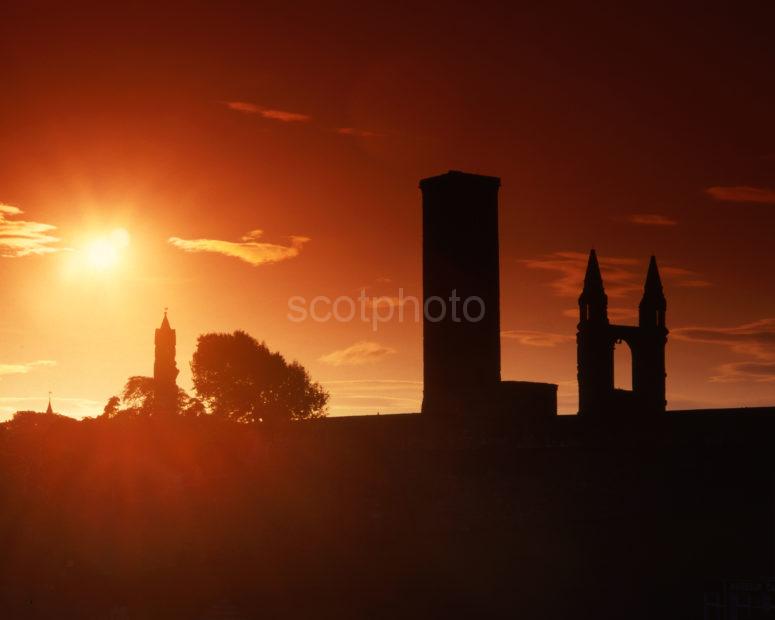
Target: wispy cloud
374 384
651 219
22 237
745 372
358 133
363 352
286 116
374 395
742 193
534 338
283 116
22 368
249 249
622 276
755 340
685 278
615 313
569 267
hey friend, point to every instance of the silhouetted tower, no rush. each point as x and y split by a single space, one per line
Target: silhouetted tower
649 366
596 339
49 409
595 348
461 323
165 371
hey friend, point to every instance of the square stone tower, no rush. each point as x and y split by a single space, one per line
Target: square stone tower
461 293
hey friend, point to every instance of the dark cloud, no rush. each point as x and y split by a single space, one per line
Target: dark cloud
742 193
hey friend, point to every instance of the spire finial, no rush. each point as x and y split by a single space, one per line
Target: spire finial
165 323
653 286
593 302
651 310
593 281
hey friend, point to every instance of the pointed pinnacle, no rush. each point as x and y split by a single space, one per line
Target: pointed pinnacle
593 281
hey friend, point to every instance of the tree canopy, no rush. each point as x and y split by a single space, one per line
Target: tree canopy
137 398
239 378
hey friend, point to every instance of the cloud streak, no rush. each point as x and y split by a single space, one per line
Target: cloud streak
374 395
755 340
24 367
615 314
742 193
24 238
363 352
745 372
249 249
283 116
651 219
286 116
534 338
358 133
622 276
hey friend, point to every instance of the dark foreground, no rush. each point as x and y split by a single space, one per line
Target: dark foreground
380 518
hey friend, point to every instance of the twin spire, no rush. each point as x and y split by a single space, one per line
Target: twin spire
593 302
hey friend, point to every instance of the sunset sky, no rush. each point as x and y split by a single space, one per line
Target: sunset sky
220 159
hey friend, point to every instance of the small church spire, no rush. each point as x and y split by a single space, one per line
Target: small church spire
593 302
165 323
165 370
49 409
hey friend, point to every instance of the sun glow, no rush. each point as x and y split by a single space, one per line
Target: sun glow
103 253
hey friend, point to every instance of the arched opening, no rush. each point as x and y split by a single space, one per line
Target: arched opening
622 366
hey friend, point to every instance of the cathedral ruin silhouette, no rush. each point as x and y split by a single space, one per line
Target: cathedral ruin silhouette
597 337
486 504
635 510
461 359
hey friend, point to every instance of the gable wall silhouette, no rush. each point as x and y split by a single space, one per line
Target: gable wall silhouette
597 337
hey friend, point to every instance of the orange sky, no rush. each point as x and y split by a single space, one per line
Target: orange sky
196 127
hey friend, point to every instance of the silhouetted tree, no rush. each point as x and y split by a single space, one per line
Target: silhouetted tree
138 394
137 398
112 407
36 420
239 378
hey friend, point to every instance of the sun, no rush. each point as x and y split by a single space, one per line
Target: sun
104 252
